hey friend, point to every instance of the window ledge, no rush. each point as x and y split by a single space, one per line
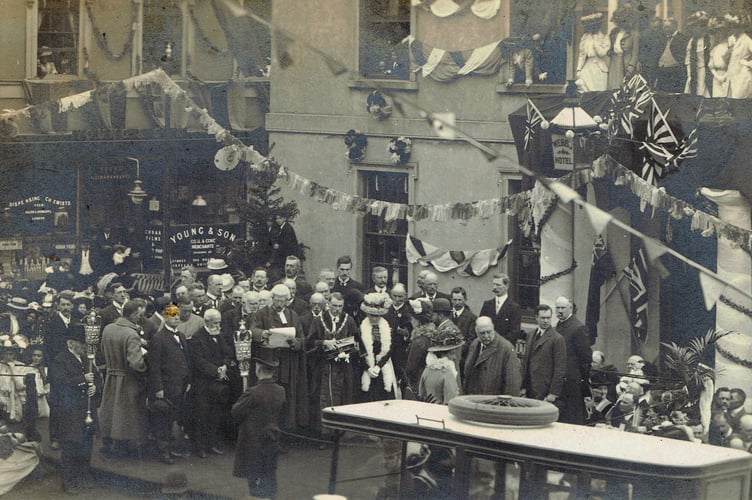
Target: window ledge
370 83
536 88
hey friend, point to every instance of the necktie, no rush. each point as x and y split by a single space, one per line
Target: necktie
455 315
482 346
177 339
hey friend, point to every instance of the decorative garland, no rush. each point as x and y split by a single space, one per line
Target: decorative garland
210 47
99 35
377 106
400 149
551 277
733 305
356 142
732 357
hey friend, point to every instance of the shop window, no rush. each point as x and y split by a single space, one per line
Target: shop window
383 26
524 263
162 37
57 38
384 241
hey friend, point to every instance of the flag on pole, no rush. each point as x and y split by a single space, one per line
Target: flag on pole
629 103
601 271
534 118
636 273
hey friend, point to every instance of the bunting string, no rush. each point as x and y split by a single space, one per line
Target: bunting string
732 357
737 307
545 279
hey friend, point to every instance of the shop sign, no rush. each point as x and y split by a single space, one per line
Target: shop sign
563 149
10 244
191 245
41 213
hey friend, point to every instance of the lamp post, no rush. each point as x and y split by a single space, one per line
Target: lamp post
137 194
569 128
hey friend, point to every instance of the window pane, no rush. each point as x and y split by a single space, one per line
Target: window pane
57 38
384 24
524 264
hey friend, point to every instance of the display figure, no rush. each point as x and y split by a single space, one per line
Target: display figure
592 65
699 80
740 62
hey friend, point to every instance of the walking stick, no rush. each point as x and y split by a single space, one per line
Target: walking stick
92 326
242 338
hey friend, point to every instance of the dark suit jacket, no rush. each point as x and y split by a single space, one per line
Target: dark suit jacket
300 306
71 388
169 365
288 245
109 314
544 365
579 356
54 332
509 320
439 295
351 307
496 370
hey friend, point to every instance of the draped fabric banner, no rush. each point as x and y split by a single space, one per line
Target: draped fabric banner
443 65
466 262
484 9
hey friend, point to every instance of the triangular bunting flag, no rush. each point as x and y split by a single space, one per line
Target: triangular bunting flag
440 122
598 218
654 248
564 192
711 289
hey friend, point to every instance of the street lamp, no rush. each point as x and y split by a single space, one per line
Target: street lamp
570 122
137 194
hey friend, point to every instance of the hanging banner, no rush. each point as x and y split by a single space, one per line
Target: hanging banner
40 214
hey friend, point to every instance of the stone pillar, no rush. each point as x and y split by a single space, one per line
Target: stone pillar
556 255
735 265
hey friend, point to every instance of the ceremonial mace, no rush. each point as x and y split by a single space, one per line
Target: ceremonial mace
242 339
92 325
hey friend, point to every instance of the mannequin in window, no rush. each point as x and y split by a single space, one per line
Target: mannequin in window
592 65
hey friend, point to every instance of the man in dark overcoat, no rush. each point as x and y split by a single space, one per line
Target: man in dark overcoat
292 363
211 358
258 412
491 366
579 358
169 378
75 385
545 362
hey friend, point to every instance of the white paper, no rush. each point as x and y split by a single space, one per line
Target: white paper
280 336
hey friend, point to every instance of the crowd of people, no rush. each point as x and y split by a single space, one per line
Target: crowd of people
710 58
164 379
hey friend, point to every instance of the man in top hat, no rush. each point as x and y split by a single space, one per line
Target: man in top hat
292 371
169 379
258 412
13 320
75 385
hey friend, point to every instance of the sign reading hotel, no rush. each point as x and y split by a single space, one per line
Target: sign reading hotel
191 245
563 152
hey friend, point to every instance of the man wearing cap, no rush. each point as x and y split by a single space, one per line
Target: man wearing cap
54 331
211 358
491 366
115 310
75 385
169 379
123 410
292 369
258 412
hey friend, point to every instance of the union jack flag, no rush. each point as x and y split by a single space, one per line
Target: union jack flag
534 118
663 151
629 103
636 273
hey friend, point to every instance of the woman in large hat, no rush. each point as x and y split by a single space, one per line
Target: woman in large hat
439 382
378 380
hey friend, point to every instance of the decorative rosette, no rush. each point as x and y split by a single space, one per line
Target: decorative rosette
356 142
377 106
400 149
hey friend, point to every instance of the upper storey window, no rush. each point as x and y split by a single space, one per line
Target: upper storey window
57 38
383 26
